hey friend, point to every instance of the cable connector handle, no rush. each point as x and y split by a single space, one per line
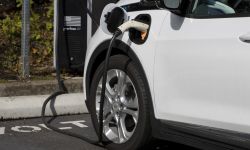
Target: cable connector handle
143 27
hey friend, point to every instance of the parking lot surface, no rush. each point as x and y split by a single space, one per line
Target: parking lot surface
31 134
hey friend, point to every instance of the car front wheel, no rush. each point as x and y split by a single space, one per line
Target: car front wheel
126 107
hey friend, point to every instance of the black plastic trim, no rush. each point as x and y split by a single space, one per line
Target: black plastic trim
138 7
218 16
201 136
190 15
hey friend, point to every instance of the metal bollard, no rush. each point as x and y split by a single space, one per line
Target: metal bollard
25 39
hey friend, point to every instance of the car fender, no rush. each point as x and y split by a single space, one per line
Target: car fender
143 54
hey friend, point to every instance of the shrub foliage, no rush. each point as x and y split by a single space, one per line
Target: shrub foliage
41 37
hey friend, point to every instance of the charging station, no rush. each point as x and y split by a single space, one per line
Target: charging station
73 28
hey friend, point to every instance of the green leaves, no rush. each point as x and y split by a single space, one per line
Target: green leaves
41 36
20 3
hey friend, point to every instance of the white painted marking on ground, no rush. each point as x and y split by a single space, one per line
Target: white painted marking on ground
44 126
65 128
24 129
76 123
2 130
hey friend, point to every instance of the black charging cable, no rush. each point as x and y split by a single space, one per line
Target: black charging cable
104 80
62 90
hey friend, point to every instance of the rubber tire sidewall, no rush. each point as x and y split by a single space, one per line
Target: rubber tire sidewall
142 133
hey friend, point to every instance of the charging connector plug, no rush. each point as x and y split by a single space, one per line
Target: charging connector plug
143 27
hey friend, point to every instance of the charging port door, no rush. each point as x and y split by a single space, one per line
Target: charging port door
71 33
97 8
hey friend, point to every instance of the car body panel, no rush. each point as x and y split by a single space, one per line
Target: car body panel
202 72
198 73
145 52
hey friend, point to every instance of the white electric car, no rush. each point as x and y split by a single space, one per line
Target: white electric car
186 80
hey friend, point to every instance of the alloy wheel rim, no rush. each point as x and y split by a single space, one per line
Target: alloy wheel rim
121 107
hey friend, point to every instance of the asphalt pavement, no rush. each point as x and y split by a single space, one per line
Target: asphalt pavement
31 134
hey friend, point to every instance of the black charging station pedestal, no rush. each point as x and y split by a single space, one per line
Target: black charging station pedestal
73 29
71 34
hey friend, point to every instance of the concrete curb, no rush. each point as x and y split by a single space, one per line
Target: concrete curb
31 106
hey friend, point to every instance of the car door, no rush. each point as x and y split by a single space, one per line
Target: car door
202 66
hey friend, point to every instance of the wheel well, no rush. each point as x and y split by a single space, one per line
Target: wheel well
119 48
100 58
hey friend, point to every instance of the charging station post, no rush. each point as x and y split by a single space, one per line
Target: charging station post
25 39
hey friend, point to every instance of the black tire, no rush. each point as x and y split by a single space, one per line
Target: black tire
142 133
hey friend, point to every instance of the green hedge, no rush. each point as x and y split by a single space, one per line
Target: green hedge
41 39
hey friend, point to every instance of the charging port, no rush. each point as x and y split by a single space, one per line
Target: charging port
137 36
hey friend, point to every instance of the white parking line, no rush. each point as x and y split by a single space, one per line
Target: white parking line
76 123
44 126
39 127
65 128
26 129
2 130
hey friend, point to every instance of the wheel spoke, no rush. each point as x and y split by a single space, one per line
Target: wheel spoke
108 119
129 97
121 81
120 131
109 93
130 103
111 74
124 129
133 113
107 108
